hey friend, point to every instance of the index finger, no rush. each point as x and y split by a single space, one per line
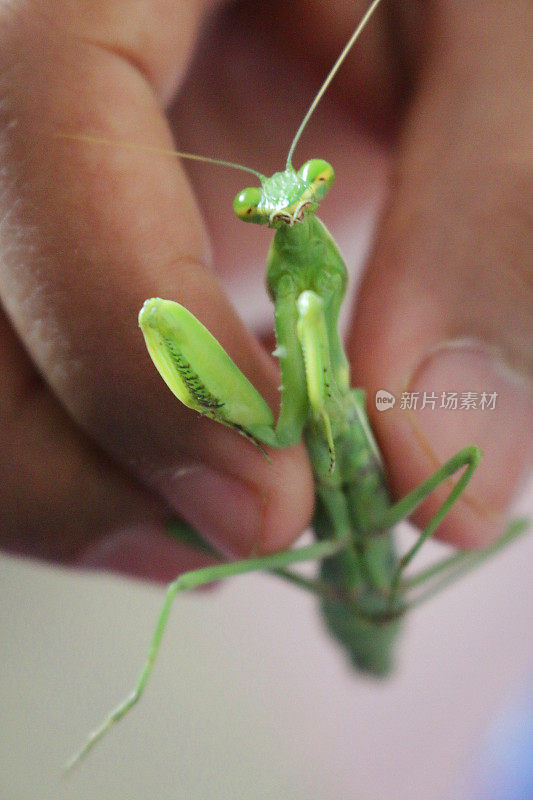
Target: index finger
90 232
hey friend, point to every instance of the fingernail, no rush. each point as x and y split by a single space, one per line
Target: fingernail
224 510
140 551
463 393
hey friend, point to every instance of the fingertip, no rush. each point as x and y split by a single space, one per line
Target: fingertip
428 399
442 328
289 502
236 498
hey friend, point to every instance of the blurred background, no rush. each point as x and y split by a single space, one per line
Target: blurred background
251 699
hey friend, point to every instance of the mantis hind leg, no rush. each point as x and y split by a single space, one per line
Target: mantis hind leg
192 580
440 575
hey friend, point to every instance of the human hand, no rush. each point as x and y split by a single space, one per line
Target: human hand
96 453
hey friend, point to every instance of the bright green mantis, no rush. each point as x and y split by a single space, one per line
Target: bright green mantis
362 583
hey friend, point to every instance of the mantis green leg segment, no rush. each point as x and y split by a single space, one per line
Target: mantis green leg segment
313 338
192 580
469 458
448 570
332 289
294 400
201 374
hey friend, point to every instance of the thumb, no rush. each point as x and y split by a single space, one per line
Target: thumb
453 339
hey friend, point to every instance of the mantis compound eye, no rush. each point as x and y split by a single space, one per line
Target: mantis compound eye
246 205
318 175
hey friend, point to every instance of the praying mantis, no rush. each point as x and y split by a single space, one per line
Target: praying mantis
363 586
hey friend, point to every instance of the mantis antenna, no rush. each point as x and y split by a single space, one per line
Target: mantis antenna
220 162
333 72
151 149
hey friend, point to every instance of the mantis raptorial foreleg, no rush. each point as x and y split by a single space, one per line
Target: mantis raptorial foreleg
201 374
192 580
294 401
312 335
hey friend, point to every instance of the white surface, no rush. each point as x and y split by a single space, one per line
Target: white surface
250 698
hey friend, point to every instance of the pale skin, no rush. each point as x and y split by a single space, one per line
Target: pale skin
92 455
